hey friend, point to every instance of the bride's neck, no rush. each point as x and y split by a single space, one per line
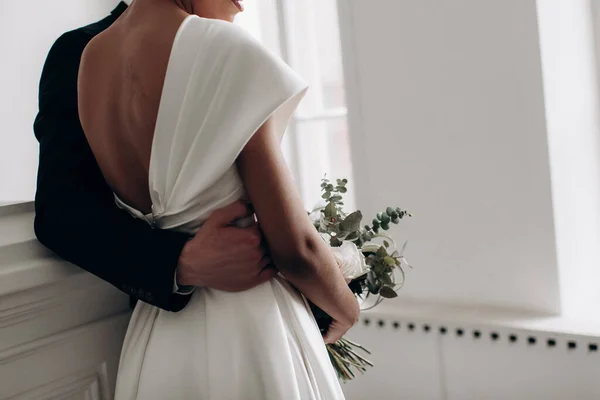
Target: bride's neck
161 7
185 5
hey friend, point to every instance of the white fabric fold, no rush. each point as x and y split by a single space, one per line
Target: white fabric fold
228 86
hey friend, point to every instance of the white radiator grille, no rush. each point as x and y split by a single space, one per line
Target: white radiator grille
429 360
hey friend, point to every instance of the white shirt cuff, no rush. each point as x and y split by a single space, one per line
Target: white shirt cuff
181 289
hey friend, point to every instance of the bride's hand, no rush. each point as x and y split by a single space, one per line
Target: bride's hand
338 328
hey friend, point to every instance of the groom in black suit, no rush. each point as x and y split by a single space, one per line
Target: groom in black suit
76 215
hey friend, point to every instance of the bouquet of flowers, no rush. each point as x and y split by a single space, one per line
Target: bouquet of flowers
368 266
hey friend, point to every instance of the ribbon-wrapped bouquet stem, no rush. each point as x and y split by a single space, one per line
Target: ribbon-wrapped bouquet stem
368 260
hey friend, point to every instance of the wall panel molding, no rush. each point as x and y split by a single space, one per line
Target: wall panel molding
88 385
61 328
61 360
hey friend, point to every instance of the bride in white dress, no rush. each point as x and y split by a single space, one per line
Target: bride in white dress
184 112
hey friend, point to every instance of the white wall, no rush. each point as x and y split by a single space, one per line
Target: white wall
572 114
449 122
27 30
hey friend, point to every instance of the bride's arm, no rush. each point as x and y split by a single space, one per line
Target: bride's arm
296 248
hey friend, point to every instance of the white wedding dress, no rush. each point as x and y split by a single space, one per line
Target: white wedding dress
220 87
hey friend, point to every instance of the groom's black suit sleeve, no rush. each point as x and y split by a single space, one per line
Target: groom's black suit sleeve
76 215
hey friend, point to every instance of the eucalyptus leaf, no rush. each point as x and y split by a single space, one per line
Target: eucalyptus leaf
385 278
386 244
387 292
389 261
351 222
381 252
389 211
331 210
352 236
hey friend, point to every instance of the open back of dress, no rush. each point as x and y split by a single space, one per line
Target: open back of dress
220 87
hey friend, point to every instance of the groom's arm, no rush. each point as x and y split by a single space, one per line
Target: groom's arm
76 215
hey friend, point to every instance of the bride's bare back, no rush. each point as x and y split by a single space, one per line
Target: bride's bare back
121 79
120 84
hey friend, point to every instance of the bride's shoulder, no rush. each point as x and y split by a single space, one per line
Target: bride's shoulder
208 28
223 49
226 35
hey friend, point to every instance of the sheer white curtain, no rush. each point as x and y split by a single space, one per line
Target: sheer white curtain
306 35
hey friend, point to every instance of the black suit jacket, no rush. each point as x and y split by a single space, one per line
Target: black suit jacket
76 215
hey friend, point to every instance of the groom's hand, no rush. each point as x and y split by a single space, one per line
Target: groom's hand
225 257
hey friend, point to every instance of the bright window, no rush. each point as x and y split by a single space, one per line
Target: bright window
306 35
